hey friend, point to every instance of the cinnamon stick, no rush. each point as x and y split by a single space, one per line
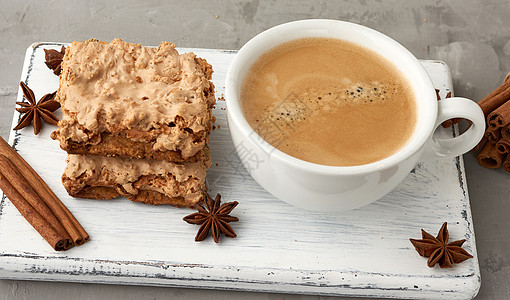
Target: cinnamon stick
506 164
493 134
12 175
61 212
496 98
500 117
47 231
503 146
490 157
505 133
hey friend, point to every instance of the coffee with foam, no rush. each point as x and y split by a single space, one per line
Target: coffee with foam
329 102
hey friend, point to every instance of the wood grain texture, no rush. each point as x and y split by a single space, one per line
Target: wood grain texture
279 248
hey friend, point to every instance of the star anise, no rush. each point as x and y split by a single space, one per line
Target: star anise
33 112
213 218
449 95
54 59
437 249
437 95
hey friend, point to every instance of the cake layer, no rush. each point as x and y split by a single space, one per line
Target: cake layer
157 99
141 180
147 197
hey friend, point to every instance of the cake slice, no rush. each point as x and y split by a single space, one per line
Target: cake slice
140 180
122 99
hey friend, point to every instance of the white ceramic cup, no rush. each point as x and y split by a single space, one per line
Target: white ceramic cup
331 188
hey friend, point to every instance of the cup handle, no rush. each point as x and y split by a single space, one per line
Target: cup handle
456 107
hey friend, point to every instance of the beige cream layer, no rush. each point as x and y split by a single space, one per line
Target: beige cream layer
120 86
126 170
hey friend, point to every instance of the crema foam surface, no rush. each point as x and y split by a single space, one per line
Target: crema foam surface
329 102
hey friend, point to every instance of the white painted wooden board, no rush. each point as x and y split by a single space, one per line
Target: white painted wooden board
279 248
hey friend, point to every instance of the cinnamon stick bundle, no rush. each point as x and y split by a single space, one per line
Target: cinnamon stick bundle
37 202
496 143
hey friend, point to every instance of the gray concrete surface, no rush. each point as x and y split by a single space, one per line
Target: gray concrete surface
472 36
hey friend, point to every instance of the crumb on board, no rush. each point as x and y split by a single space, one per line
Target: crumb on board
217 164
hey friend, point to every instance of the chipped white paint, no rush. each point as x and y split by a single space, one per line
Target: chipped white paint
279 248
